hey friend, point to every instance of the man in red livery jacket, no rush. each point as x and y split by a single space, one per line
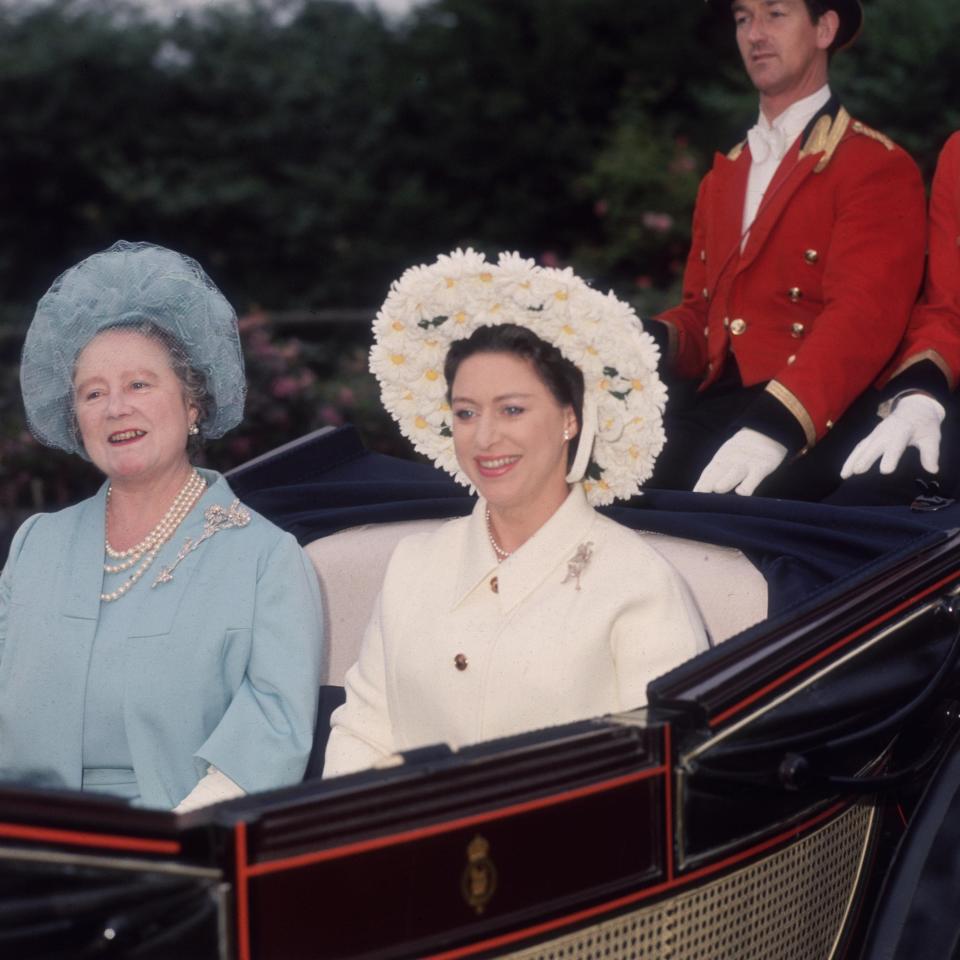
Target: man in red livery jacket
807 255
918 386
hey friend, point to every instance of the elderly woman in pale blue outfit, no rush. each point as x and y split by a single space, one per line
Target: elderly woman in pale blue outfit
159 641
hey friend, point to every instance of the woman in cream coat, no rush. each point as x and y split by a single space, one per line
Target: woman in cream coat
534 610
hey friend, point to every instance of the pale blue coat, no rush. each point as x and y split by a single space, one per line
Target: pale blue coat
224 667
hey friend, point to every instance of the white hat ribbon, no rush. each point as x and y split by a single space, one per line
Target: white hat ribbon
588 431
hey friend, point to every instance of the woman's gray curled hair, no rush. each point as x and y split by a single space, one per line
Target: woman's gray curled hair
142 287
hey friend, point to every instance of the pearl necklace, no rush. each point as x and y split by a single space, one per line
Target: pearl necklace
497 549
145 552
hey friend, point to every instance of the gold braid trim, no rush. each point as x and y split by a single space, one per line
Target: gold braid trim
859 127
935 358
734 154
781 393
817 141
825 137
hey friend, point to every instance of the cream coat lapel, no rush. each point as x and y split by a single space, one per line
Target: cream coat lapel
544 555
477 562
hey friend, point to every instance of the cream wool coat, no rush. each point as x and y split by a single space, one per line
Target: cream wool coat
538 651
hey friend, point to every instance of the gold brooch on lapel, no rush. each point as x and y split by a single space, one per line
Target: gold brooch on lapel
215 519
578 562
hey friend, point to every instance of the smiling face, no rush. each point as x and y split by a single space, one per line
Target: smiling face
783 50
131 408
508 433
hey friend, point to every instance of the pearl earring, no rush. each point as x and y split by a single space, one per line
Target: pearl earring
566 434
194 430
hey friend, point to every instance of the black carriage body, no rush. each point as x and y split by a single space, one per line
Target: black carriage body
751 810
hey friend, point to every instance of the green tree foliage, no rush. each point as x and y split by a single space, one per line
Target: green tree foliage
238 136
903 75
307 151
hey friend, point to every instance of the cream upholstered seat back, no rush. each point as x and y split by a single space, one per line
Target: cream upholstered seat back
729 590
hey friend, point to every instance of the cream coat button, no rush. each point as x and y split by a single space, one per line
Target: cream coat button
791 359
796 330
738 326
794 293
706 293
706 331
703 256
811 256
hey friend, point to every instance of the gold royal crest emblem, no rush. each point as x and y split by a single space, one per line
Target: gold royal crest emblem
479 880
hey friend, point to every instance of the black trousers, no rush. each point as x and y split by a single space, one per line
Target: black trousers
697 425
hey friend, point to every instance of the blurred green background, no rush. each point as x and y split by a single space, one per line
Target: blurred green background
307 151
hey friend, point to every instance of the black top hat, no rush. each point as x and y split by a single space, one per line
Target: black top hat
849 11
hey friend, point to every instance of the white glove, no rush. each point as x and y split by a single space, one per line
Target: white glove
742 462
213 788
914 422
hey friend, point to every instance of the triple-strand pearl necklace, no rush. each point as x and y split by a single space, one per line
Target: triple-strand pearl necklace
143 554
497 549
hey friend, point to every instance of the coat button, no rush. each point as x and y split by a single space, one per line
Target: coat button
811 256
494 584
829 424
706 331
738 326
794 293
460 661
703 256
726 322
792 359
796 330
706 293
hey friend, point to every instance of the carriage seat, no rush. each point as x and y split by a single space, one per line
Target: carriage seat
351 564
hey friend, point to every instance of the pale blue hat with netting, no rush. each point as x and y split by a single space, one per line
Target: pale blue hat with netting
129 284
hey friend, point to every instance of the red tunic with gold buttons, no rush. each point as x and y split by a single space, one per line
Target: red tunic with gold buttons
934 330
816 301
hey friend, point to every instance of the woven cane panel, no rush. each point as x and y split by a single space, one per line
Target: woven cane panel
789 906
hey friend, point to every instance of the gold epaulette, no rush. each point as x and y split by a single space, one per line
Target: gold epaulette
825 137
859 127
734 154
